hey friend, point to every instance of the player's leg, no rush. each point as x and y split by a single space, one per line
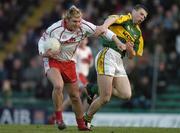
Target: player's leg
102 65
55 78
70 79
91 91
105 68
73 91
105 91
121 84
66 103
83 81
122 87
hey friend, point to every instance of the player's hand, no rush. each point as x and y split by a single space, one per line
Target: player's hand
100 30
121 47
130 50
51 54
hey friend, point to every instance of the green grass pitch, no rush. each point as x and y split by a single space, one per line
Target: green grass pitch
73 129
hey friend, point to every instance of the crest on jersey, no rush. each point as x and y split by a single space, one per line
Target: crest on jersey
135 36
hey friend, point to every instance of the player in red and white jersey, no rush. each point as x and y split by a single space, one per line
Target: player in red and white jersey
84 60
60 67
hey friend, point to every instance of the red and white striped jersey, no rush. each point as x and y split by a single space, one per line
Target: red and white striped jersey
84 60
69 39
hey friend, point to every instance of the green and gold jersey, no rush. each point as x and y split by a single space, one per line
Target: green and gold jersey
125 30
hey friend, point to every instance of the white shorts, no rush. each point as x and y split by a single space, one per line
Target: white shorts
109 62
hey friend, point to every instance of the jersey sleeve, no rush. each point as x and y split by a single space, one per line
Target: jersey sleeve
41 46
91 28
88 27
139 51
45 35
109 34
121 18
141 46
42 40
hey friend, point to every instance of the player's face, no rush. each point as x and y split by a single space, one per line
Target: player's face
139 15
74 23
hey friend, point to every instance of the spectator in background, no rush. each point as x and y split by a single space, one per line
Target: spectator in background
177 44
32 75
84 60
172 67
3 73
7 93
16 75
162 81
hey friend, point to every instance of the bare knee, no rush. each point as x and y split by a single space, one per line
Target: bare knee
74 98
127 95
58 88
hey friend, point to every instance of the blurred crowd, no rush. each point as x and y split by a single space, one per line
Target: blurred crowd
22 71
12 12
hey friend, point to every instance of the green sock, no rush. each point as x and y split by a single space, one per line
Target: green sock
87 118
94 89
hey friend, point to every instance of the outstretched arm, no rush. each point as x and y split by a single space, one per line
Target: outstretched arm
111 36
103 28
128 46
118 43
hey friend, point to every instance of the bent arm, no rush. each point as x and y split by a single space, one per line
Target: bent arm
109 21
103 28
112 37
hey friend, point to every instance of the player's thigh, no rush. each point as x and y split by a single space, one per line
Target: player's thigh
122 86
105 85
104 62
55 77
72 89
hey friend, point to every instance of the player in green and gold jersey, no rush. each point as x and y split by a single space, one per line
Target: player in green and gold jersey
111 75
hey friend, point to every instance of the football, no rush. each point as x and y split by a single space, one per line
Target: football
53 44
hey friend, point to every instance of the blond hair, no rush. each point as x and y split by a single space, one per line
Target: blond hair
73 11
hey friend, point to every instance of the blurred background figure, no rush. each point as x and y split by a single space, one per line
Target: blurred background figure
84 60
7 93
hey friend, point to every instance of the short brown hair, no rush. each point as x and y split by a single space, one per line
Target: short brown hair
73 11
138 6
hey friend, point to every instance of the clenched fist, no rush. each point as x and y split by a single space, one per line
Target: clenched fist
130 50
